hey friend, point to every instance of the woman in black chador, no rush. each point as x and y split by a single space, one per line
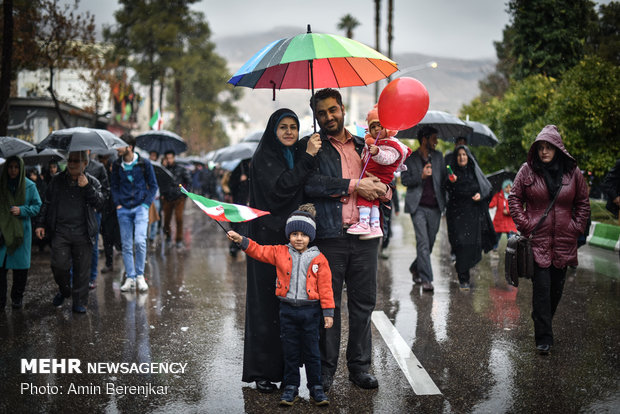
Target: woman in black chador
278 171
468 212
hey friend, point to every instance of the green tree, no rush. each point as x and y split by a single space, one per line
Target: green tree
586 108
549 35
348 23
544 37
604 41
516 119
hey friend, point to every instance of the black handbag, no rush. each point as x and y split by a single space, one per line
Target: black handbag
519 260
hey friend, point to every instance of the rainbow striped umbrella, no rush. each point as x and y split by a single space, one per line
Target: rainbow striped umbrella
312 60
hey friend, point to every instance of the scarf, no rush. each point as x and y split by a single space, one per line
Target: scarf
12 193
552 173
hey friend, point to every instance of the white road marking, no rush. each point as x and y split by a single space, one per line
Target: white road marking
417 376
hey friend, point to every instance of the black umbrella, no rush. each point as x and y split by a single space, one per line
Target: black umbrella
482 135
81 139
498 177
240 151
161 141
448 126
10 146
34 157
164 178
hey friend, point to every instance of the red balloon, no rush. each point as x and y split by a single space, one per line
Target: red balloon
403 103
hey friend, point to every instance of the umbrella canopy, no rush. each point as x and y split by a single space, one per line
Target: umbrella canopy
497 178
161 141
240 151
312 60
448 126
10 146
81 139
164 178
482 135
34 157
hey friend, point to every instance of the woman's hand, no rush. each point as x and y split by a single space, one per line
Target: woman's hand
15 210
314 144
40 232
234 236
476 197
329 321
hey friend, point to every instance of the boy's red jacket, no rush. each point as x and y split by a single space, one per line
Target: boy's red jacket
318 276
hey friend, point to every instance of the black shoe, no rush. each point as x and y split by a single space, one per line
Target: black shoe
17 304
543 349
327 380
107 269
79 309
363 380
427 287
265 386
289 396
58 299
318 395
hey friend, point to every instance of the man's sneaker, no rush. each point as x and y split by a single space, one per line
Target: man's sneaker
92 284
375 232
318 395
289 396
58 299
141 284
464 287
130 284
359 228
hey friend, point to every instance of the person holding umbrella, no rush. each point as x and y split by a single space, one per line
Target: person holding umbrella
333 188
278 171
19 202
68 217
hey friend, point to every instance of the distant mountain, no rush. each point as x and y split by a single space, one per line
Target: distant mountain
453 83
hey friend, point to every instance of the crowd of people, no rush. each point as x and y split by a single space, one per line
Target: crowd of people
325 193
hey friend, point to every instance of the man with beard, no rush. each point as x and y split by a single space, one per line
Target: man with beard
333 189
67 216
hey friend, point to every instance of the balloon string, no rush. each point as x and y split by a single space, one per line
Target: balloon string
367 160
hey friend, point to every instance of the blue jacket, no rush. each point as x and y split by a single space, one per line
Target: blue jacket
325 186
133 187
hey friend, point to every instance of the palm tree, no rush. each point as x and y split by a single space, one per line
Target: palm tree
348 23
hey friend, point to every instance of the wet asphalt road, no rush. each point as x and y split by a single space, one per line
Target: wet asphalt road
477 346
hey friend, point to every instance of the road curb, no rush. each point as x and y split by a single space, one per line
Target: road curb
604 235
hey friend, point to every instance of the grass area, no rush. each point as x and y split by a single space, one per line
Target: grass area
600 213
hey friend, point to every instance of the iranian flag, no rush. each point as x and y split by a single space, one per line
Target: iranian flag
156 121
219 211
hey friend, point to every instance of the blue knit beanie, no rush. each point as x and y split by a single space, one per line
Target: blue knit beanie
300 221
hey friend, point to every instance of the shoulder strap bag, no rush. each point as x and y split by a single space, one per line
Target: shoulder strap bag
519 260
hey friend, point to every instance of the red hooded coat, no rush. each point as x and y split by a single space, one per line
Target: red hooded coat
555 241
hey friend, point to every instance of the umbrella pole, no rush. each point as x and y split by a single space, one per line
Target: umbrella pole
313 98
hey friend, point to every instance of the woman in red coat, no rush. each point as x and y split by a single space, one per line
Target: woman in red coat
549 169
502 222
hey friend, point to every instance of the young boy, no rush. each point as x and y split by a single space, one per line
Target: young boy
304 287
385 155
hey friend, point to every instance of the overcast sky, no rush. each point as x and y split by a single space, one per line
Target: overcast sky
447 28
